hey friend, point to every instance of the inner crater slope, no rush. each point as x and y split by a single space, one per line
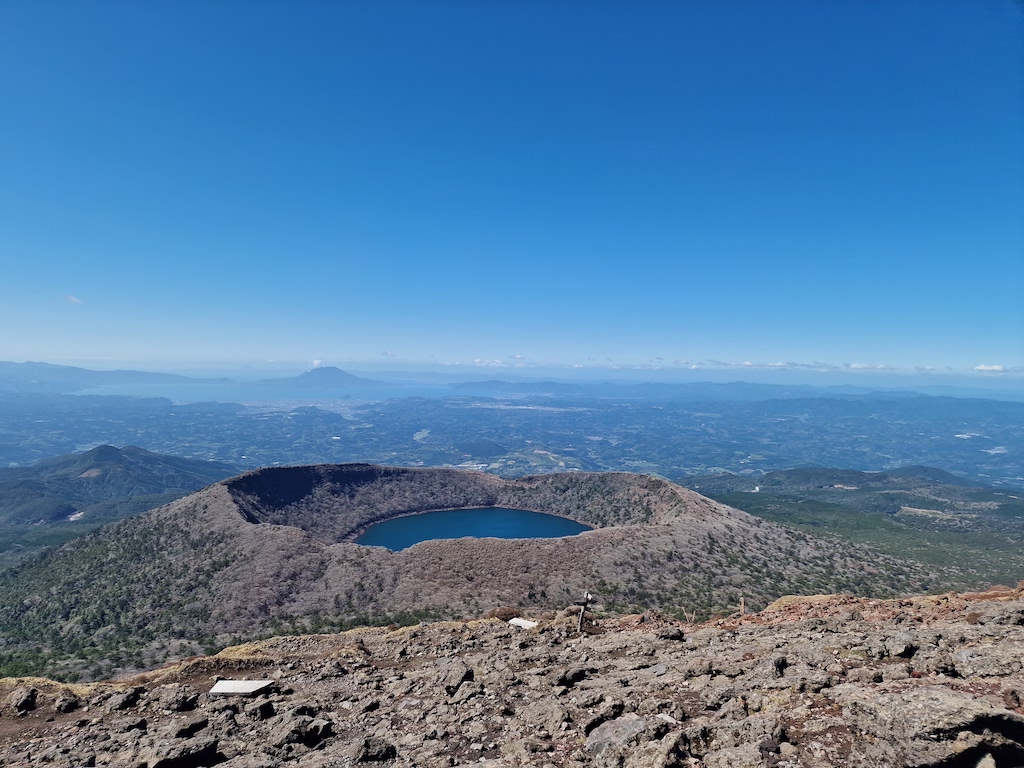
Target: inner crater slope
334 502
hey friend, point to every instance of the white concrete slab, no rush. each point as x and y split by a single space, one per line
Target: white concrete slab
240 687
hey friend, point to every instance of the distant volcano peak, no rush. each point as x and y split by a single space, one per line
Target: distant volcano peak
326 376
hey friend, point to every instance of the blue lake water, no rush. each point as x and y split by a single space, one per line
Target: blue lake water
402 532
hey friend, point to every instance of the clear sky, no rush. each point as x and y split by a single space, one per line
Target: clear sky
573 183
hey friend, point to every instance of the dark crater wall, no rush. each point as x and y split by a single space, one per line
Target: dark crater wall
334 502
272 488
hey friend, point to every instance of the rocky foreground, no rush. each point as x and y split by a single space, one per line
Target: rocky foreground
812 681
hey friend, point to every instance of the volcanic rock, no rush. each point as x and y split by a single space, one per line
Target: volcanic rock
845 695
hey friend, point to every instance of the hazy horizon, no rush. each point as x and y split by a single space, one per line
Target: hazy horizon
1010 382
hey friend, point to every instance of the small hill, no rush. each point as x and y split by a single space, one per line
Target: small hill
58 499
105 482
326 377
271 551
932 474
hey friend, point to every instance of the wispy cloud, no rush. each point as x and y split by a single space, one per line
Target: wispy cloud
519 361
75 300
775 365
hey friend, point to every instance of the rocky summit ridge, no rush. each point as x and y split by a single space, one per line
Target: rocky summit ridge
830 680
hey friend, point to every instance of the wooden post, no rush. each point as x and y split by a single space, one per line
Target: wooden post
584 603
742 607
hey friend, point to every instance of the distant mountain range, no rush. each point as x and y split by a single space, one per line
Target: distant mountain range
44 377
41 377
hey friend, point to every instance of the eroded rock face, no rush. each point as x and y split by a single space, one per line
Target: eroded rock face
23 699
832 681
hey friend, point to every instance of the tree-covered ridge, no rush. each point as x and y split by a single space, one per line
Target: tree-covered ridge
100 480
58 499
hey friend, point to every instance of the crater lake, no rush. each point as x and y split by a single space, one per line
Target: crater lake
496 522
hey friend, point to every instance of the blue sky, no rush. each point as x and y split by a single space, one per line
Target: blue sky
527 183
